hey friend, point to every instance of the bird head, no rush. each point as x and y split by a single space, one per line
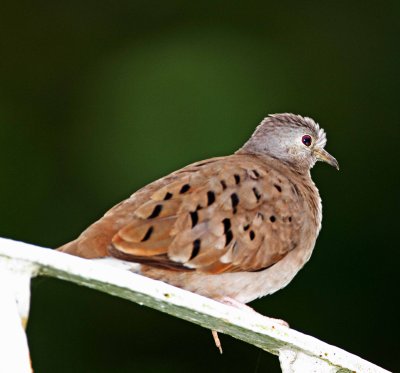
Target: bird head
293 139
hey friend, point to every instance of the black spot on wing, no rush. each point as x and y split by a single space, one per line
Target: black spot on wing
184 188
228 237
257 193
195 218
252 235
196 249
210 197
235 202
147 235
167 196
227 225
156 212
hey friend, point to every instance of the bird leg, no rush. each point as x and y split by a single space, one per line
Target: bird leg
244 307
216 340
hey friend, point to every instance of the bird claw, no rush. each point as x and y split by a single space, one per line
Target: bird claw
234 303
244 307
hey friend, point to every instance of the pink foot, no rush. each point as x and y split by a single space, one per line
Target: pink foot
234 303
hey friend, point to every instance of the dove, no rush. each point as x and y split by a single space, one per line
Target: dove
232 228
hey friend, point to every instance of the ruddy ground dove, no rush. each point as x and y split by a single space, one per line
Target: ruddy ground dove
231 228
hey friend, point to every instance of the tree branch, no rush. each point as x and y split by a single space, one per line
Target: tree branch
297 352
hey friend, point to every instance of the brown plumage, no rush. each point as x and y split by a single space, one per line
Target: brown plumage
235 227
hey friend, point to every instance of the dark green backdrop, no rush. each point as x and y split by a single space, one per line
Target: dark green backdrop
98 98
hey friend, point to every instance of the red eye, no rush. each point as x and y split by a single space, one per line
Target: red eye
306 140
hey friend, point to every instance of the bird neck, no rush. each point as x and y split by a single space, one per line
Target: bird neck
278 163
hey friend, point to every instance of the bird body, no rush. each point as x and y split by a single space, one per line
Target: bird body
237 227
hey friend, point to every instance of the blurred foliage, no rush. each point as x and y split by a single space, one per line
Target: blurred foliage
98 98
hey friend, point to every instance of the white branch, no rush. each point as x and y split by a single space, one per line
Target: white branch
297 352
14 351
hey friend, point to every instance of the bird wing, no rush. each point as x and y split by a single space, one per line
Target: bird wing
226 214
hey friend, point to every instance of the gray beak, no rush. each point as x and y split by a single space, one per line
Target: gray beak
324 156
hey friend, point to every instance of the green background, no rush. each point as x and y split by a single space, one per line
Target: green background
98 98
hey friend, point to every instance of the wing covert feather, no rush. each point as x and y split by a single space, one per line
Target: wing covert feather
222 215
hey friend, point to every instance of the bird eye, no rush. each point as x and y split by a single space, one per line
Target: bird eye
306 140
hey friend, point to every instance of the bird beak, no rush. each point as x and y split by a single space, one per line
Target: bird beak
324 156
